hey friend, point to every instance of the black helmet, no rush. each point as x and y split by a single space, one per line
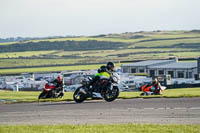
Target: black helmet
110 65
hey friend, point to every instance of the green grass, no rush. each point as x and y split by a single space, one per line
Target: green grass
114 128
48 69
92 53
23 96
165 43
7 43
80 39
151 56
36 62
104 53
90 56
169 93
25 54
14 59
51 69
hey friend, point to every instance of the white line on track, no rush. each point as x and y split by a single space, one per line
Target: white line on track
167 108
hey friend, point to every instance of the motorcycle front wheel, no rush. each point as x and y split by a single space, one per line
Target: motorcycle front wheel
42 95
61 95
111 95
79 96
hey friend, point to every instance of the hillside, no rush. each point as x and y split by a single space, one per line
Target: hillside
61 45
99 49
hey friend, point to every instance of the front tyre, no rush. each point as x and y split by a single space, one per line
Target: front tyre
111 95
42 95
61 95
79 96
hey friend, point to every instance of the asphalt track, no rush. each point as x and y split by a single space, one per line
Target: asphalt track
149 110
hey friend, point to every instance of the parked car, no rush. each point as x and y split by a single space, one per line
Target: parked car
123 86
130 83
71 88
39 79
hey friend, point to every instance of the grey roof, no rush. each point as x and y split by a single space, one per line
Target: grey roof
146 63
183 65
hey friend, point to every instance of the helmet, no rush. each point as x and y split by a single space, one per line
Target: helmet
155 81
59 78
110 65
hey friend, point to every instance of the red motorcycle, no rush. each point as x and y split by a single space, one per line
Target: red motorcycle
50 91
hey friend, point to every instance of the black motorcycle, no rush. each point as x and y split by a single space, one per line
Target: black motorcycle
106 88
50 91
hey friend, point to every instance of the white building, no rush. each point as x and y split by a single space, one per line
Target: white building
162 67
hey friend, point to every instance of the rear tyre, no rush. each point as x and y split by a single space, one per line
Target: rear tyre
79 96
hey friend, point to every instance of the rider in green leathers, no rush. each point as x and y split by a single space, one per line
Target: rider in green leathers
103 72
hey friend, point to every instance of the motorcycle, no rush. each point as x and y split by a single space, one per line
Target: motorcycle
50 91
105 88
147 90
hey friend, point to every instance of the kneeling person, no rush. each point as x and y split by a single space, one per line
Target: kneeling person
152 89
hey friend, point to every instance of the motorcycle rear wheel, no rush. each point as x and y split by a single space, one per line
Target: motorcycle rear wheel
78 96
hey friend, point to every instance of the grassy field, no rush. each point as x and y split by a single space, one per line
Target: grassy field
91 56
123 37
49 69
124 53
25 54
165 43
100 128
35 62
23 96
7 43
114 128
170 93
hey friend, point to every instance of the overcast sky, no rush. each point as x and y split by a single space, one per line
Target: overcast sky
41 18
